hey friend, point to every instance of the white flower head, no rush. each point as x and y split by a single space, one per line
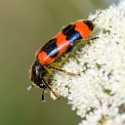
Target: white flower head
98 94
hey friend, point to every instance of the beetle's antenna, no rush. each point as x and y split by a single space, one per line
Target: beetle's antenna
43 97
96 16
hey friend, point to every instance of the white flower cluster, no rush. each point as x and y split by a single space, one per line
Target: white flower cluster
98 94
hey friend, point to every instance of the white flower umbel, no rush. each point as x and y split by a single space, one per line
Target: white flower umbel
98 94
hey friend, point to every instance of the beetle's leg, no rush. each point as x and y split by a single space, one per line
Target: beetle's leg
49 87
61 70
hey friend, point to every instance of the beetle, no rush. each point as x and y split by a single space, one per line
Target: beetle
53 51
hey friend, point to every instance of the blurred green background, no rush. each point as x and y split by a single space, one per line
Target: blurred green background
24 26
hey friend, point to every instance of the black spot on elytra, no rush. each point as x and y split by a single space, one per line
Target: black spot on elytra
51 48
89 24
71 34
